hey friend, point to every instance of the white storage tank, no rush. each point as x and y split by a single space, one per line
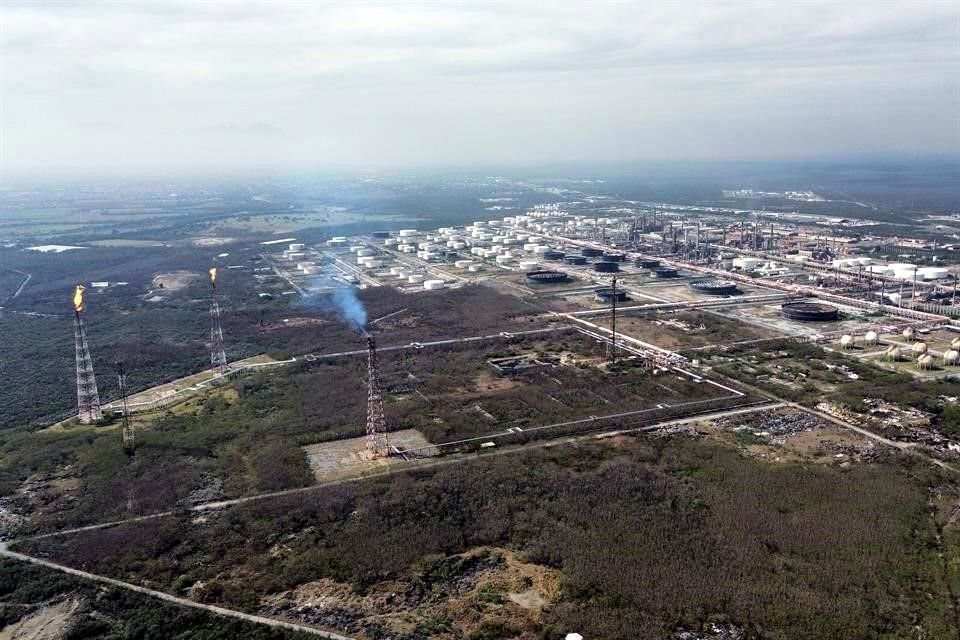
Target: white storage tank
919 348
847 342
951 357
529 265
297 246
432 285
408 233
462 264
871 338
415 278
474 268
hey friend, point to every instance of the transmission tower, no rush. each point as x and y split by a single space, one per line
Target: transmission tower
218 357
125 429
613 321
376 422
88 399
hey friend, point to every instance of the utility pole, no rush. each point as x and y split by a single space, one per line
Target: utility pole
613 321
125 430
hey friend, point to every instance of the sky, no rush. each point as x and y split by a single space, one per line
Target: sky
173 86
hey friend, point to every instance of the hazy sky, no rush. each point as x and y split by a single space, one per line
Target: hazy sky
173 86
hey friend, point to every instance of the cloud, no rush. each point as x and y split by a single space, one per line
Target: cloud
452 83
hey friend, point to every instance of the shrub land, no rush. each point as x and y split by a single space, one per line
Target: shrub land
650 536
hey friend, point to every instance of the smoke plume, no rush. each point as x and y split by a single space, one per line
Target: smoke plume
349 307
326 292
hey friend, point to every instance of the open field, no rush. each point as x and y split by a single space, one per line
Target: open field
336 459
647 536
684 329
245 435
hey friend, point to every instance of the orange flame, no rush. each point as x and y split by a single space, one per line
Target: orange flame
213 274
78 298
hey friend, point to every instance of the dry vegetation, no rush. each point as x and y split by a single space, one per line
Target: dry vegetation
648 536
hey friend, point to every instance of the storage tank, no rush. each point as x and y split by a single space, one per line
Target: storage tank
955 344
665 272
892 353
431 285
474 268
528 265
925 361
871 338
908 333
846 342
919 348
951 357
606 267
415 278
297 246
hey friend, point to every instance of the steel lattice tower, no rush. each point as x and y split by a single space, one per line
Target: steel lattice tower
125 429
376 422
218 357
88 399
613 322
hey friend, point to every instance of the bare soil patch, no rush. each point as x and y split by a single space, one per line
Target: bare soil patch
48 623
175 280
343 458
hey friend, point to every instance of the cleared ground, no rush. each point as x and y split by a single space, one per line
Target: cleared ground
685 329
345 458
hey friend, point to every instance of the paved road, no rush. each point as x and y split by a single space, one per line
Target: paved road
160 595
